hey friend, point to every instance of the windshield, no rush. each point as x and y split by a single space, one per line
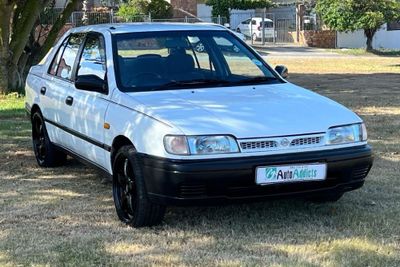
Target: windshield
152 61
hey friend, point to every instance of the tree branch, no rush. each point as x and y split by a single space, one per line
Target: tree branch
57 26
20 35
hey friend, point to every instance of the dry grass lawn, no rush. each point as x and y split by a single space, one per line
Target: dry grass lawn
65 216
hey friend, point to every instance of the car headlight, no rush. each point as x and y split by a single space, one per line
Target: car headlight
200 145
347 134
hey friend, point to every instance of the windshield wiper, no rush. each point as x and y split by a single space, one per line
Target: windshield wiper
190 83
255 80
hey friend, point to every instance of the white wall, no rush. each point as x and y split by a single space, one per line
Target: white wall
383 39
204 12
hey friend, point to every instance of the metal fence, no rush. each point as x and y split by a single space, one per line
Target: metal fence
80 18
275 29
187 19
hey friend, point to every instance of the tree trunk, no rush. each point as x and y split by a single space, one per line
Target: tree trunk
23 28
3 70
369 33
5 16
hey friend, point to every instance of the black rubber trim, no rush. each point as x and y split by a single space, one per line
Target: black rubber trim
79 135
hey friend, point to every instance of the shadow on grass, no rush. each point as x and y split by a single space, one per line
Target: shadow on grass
66 215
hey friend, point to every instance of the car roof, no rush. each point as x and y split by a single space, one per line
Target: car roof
116 28
260 18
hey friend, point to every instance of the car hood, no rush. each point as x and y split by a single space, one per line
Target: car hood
245 111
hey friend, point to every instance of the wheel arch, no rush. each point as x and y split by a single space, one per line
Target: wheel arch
118 142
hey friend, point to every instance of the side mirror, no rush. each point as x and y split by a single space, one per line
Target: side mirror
283 71
91 83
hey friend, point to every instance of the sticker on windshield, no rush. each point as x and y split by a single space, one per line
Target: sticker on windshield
257 62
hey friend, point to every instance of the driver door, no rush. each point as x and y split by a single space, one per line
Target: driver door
89 107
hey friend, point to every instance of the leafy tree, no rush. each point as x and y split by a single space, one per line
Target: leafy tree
131 9
159 9
18 19
351 15
222 7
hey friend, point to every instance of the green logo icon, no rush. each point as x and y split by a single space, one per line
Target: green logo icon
270 173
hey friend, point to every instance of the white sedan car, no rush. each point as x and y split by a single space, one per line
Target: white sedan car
173 126
252 28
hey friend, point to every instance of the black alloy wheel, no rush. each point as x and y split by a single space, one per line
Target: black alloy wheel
129 191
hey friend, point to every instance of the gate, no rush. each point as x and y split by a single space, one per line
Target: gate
277 28
285 30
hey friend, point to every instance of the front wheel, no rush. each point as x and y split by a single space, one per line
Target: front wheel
130 194
47 155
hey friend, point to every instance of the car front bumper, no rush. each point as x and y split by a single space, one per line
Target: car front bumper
214 181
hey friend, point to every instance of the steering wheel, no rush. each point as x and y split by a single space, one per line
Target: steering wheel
143 77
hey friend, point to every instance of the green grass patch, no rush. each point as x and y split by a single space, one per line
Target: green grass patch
12 105
363 52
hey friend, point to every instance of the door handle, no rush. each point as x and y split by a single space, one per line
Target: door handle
43 90
69 100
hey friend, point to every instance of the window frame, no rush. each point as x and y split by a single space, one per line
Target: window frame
102 40
54 58
63 46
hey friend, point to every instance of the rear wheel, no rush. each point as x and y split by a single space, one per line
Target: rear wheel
129 192
47 155
238 30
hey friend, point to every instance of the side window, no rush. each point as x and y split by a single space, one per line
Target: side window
56 59
67 61
93 60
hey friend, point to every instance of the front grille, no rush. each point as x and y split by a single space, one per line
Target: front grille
307 141
281 143
258 145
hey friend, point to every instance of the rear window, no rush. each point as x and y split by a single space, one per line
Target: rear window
267 24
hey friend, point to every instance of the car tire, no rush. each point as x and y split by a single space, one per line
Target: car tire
129 192
238 30
331 197
46 154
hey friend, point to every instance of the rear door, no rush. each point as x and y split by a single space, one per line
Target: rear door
58 85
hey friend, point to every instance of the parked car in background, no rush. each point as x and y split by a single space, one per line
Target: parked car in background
228 46
173 126
252 28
